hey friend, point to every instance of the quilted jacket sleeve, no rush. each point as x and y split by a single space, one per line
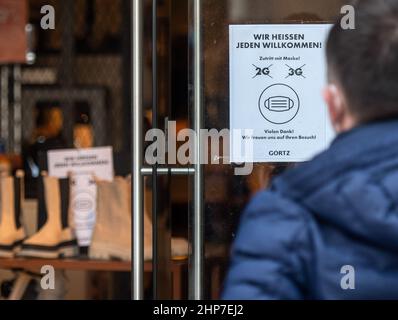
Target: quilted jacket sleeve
271 254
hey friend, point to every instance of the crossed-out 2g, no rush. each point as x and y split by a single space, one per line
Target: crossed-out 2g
262 71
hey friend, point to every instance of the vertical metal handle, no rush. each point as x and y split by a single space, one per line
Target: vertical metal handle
137 183
155 101
196 292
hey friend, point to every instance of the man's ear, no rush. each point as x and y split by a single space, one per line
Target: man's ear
336 106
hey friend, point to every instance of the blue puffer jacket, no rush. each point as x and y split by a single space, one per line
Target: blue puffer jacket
341 209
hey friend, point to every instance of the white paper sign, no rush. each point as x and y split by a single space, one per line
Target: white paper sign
277 73
83 164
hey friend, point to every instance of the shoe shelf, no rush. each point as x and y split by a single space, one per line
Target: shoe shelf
77 264
34 265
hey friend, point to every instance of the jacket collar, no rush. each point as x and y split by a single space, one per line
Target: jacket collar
358 148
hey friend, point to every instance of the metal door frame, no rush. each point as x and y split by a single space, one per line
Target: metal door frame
196 270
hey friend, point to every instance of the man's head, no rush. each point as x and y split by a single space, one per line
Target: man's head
363 66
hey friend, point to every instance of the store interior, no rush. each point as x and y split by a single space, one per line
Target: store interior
72 90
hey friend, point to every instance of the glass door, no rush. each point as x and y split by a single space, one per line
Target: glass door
225 194
182 75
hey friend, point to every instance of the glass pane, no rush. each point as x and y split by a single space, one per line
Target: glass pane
225 193
74 93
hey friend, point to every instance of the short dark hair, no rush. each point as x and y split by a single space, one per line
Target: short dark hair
364 61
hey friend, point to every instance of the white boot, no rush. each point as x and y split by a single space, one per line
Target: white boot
112 231
55 239
11 232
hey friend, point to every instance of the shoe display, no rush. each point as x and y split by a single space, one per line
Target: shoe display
12 233
55 239
112 232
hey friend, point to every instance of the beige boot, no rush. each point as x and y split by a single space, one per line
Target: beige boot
112 232
179 246
55 239
11 231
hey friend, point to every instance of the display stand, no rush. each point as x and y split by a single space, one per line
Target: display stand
34 265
